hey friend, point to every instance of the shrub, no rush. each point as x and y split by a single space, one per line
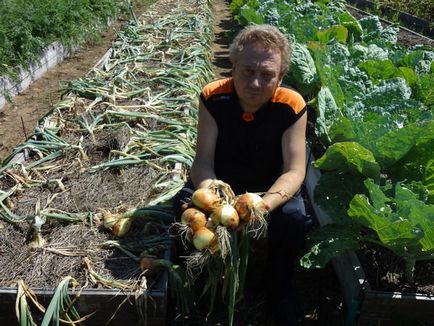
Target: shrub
27 26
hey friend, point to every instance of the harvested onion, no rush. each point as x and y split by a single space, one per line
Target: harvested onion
203 238
249 205
206 199
149 264
121 227
226 215
194 218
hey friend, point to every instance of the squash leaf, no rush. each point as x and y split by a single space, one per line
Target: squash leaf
350 157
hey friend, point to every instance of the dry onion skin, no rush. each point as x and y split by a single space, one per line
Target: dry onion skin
194 218
121 227
204 238
109 219
250 206
118 225
226 215
206 199
150 265
253 211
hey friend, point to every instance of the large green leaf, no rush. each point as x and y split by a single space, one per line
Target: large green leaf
349 157
249 15
417 165
394 145
327 112
428 180
408 74
330 64
303 70
419 60
378 70
328 242
395 235
418 213
334 192
342 130
338 33
352 24
402 222
384 95
424 89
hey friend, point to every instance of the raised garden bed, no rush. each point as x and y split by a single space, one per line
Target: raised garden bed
137 106
51 56
365 305
104 306
418 24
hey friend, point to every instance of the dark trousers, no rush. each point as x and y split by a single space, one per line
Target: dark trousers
287 230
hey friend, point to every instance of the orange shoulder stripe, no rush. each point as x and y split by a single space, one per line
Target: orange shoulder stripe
290 97
221 86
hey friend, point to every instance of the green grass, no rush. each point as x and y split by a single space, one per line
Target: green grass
27 26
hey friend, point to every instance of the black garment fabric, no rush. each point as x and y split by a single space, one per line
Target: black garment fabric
248 154
287 229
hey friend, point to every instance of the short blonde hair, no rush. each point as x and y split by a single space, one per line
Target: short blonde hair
265 35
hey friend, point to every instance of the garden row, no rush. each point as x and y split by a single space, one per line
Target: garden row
419 24
107 157
373 103
419 8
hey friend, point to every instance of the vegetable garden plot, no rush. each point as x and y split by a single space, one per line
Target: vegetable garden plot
109 147
373 107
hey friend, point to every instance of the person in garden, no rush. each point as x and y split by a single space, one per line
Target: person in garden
251 135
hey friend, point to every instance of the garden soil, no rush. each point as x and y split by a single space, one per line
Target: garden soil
319 292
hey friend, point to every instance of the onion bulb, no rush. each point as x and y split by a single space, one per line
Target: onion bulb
109 219
194 218
226 215
206 199
121 227
249 205
37 240
150 264
203 238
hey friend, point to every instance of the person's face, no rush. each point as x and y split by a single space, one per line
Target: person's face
256 75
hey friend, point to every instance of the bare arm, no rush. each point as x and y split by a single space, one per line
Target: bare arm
294 169
202 170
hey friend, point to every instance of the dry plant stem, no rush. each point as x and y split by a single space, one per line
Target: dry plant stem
224 189
24 290
116 244
66 251
109 283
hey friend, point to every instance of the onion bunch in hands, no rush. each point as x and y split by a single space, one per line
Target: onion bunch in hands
213 216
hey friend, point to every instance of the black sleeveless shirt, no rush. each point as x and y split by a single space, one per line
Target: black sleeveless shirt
248 154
